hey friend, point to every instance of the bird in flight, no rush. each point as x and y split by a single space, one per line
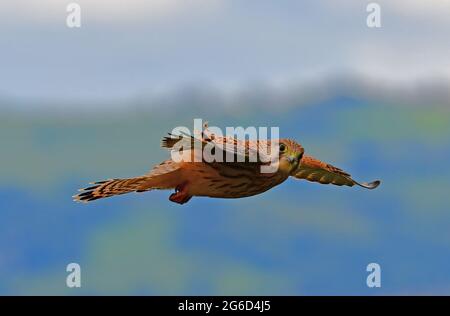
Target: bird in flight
240 177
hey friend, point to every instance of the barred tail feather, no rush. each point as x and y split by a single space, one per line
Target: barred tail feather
107 188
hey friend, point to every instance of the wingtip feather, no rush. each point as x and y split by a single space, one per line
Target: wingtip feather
371 185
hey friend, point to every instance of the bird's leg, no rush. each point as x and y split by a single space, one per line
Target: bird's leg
180 196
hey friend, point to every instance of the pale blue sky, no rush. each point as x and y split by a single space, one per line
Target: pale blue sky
136 48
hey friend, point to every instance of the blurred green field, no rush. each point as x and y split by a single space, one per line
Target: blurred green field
299 238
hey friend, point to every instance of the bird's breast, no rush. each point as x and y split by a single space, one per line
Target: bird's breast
228 180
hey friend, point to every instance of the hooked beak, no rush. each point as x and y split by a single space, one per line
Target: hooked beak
292 159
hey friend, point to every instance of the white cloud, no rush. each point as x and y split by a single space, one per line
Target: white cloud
221 42
402 7
420 7
106 10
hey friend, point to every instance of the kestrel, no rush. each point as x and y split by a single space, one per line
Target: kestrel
242 177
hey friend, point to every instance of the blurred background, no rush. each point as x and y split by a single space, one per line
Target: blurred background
84 104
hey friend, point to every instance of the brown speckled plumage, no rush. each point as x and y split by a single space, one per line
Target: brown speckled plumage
240 178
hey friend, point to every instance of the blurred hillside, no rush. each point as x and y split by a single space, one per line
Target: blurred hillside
299 238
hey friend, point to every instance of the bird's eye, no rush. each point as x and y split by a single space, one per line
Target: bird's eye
282 148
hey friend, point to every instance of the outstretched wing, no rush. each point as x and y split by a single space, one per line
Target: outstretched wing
240 150
314 170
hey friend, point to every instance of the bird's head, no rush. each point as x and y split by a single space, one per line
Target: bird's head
290 155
